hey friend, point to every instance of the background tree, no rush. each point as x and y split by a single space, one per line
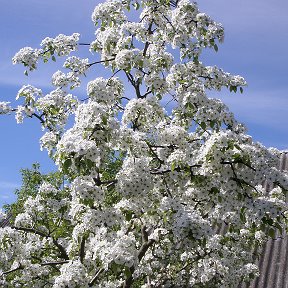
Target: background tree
32 179
152 164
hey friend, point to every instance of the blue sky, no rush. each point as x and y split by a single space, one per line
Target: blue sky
255 47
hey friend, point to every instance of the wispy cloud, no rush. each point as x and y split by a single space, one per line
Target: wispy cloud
7 192
240 15
268 107
8 185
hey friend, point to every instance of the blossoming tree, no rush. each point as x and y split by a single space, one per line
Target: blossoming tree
145 188
32 179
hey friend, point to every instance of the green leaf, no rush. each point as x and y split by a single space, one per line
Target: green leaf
196 60
241 90
271 233
215 47
165 218
212 123
279 227
159 96
190 105
89 163
233 89
204 241
214 190
104 120
67 163
127 272
268 221
26 72
128 215
136 5
262 227
173 166
242 214
203 125
141 63
53 58
237 158
114 267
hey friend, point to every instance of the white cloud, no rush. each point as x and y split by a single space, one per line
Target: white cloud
268 107
248 15
7 192
8 185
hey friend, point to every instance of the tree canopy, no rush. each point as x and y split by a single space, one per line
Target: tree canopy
152 165
32 179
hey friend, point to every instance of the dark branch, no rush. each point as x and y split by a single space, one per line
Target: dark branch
13 270
54 263
61 249
101 61
30 230
143 249
82 249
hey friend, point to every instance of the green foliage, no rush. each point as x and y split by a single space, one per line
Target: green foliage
32 178
112 167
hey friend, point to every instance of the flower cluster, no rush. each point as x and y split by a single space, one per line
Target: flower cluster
5 107
130 182
76 64
62 45
143 113
56 106
27 56
109 12
72 275
60 79
83 188
105 91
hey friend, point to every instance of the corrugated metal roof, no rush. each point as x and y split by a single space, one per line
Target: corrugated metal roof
5 222
274 257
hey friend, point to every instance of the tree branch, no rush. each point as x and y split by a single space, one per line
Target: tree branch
100 61
54 263
94 279
82 249
61 249
55 242
30 230
13 270
143 249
